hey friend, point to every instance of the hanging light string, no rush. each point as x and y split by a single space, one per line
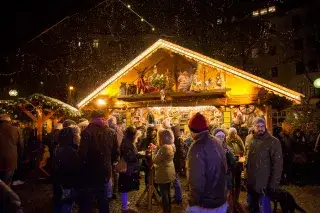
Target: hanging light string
141 18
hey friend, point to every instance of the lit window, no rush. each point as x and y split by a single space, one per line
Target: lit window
219 21
264 11
272 9
255 13
96 43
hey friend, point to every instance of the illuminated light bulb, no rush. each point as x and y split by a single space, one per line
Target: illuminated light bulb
142 19
316 83
71 88
153 29
101 102
13 92
129 6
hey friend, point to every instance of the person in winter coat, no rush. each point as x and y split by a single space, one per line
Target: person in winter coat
179 162
237 147
206 169
11 146
66 170
112 123
98 150
231 162
164 166
130 180
264 166
147 161
9 200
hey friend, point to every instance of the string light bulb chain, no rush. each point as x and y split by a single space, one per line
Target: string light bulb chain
141 18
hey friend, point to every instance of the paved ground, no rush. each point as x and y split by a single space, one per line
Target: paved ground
36 198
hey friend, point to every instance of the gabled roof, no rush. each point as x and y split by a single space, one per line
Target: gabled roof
277 89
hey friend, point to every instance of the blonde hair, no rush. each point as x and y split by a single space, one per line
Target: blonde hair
165 136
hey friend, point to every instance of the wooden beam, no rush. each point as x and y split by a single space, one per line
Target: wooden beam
209 94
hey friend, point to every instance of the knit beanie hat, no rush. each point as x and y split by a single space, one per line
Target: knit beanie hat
198 123
259 120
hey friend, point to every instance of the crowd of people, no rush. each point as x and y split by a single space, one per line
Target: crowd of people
97 159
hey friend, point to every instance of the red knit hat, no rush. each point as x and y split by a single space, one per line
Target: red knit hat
198 123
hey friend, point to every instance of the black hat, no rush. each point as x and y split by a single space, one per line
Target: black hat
98 114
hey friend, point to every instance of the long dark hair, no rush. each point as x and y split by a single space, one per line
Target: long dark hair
130 133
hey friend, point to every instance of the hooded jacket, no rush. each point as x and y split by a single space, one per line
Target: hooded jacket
67 164
264 162
163 160
207 172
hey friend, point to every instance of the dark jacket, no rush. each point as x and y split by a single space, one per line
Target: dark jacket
99 150
51 140
67 164
181 150
207 171
9 200
264 162
130 155
11 144
129 181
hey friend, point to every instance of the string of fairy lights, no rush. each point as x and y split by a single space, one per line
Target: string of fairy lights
140 17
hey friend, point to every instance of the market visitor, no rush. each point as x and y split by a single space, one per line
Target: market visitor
98 150
129 180
11 146
206 169
179 163
164 166
151 138
66 170
231 162
112 123
237 147
264 167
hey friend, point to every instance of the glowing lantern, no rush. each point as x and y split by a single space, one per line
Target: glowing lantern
13 92
316 83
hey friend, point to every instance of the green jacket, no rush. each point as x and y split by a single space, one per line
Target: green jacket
236 145
164 166
264 162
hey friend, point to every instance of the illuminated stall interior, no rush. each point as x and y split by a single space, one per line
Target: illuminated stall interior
169 81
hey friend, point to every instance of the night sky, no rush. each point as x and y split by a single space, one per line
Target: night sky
181 21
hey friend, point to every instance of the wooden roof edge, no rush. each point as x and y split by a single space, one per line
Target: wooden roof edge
199 57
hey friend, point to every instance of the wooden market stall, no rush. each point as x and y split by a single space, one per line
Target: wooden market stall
167 80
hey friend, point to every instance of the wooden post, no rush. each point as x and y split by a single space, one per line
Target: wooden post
268 115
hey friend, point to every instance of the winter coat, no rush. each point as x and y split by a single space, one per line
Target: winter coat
51 140
232 163
264 162
236 145
11 144
129 181
207 172
164 166
67 164
99 150
9 200
181 153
